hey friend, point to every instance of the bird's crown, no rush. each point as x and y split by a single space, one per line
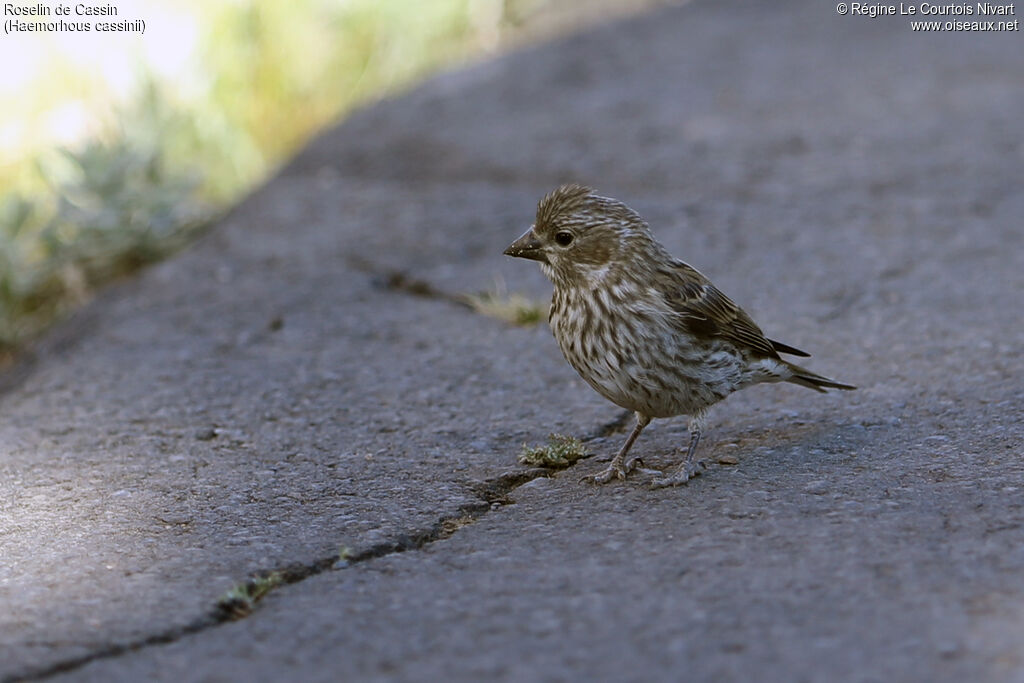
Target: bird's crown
578 206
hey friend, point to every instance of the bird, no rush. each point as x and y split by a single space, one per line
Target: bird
645 330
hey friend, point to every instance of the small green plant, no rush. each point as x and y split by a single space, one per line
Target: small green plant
512 308
345 557
560 451
241 600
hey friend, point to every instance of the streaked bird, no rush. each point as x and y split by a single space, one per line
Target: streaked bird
648 332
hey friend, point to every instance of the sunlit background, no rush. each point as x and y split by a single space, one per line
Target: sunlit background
116 148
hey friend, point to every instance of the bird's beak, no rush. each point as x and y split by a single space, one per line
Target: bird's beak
527 246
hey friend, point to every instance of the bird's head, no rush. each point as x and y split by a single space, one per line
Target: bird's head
579 236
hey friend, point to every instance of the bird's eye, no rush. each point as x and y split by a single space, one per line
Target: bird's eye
563 238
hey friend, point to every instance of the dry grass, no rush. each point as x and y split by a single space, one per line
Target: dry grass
513 308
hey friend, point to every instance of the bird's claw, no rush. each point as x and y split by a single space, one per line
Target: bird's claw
616 470
685 473
606 475
632 464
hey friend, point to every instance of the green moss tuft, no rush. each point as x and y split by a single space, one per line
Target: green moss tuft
240 601
560 451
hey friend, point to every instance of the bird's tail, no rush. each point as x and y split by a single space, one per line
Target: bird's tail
812 380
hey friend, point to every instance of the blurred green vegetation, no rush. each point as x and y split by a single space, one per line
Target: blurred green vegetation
115 207
270 73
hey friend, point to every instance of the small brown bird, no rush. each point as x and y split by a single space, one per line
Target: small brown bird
644 329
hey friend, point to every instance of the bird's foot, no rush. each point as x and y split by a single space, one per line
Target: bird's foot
687 471
604 476
615 470
636 465
633 463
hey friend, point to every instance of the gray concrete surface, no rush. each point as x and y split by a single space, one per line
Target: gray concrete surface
856 186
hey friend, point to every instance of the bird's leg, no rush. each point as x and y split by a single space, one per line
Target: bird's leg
616 468
689 467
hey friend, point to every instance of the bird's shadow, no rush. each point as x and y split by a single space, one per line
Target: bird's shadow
782 445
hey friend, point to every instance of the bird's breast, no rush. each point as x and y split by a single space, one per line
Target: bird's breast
633 354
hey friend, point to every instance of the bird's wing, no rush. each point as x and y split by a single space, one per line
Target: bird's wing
705 312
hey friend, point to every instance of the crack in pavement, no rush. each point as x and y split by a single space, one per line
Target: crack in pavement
491 493
398 280
402 282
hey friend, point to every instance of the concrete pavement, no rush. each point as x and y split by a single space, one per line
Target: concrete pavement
266 401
